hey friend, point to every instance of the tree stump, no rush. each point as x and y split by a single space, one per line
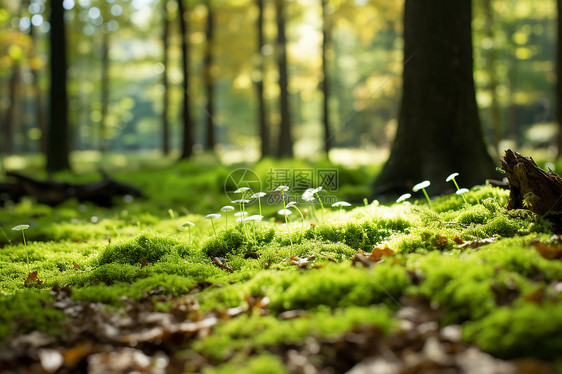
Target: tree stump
532 188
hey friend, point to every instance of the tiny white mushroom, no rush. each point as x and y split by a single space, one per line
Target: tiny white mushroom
421 186
460 191
255 218
187 224
451 177
282 188
20 227
403 197
240 214
227 208
258 195
242 189
284 212
341 203
212 216
243 201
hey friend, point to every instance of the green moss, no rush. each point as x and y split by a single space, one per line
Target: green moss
357 234
28 311
144 246
265 363
258 332
115 272
525 329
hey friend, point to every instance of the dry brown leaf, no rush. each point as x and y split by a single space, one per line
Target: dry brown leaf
33 277
441 241
457 240
369 259
144 262
76 266
223 265
302 262
547 251
477 243
377 253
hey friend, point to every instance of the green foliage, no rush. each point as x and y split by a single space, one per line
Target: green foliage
264 363
150 247
27 311
524 329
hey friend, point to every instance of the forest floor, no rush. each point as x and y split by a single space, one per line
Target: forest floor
458 287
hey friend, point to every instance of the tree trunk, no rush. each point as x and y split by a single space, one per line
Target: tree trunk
208 76
10 124
104 90
262 115
491 62
559 77
285 139
439 130
326 40
187 144
39 116
166 97
58 139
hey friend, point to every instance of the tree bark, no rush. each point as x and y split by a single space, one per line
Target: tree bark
326 40
208 77
187 138
58 139
39 116
439 129
559 76
262 114
285 138
166 96
10 124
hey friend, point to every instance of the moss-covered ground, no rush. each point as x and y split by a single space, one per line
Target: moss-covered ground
397 285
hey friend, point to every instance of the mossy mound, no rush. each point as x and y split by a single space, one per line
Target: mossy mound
148 247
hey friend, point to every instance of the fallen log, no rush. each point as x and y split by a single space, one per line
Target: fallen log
54 193
532 188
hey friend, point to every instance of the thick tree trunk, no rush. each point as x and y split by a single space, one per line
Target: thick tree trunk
58 139
209 81
187 138
166 96
104 90
326 40
559 77
10 124
262 115
439 130
285 138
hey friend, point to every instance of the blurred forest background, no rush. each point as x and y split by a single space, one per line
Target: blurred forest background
338 90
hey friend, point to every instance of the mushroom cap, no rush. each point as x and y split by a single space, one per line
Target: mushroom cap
341 203
451 177
282 188
212 215
20 227
188 224
291 204
460 191
242 189
240 201
258 194
255 218
226 208
284 212
239 214
421 185
403 197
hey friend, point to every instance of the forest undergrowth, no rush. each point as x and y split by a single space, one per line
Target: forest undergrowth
162 285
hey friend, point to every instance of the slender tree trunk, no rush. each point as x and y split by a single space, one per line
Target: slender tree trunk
39 115
10 124
58 139
209 80
326 40
559 77
104 91
166 96
262 115
187 139
439 130
491 62
285 139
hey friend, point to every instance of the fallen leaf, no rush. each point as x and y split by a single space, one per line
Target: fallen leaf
477 243
76 266
302 262
441 241
547 251
369 259
457 240
33 277
223 265
144 262
377 253
537 296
